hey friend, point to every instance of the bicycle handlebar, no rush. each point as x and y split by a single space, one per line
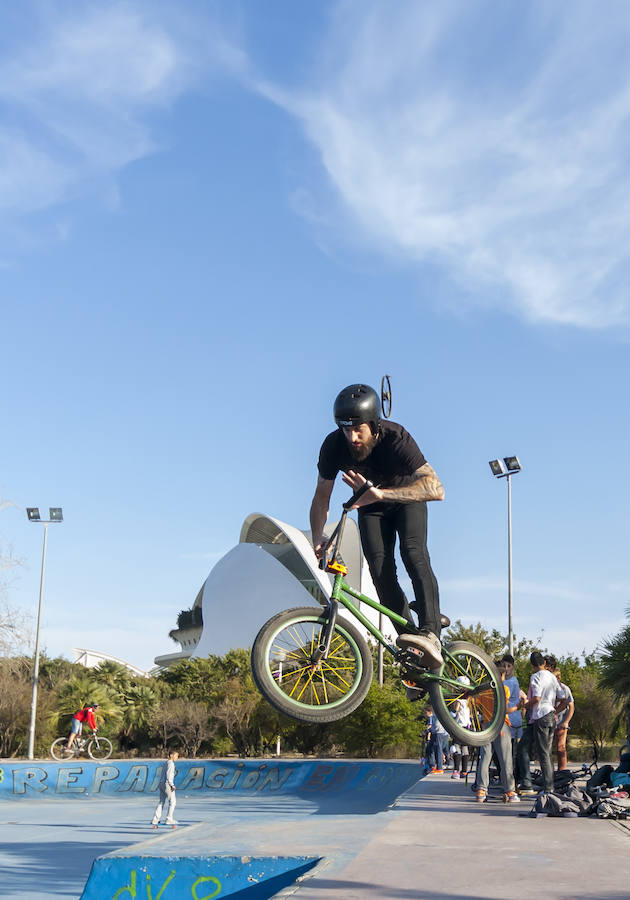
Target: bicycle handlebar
364 487
338 532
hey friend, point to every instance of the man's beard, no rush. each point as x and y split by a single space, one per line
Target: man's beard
362 452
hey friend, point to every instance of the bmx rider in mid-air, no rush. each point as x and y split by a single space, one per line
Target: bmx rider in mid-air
367 447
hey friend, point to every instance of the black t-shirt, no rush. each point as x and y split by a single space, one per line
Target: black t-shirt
391 463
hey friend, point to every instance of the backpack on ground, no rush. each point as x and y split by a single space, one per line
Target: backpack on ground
612 809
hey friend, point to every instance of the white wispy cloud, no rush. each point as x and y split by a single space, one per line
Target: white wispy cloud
493 143
77 96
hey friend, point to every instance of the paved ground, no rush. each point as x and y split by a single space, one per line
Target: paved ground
435 843
441 844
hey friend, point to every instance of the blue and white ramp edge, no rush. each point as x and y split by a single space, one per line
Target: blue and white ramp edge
196 877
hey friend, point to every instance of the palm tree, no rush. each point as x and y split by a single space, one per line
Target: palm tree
615 664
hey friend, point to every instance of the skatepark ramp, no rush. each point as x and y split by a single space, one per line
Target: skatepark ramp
261 825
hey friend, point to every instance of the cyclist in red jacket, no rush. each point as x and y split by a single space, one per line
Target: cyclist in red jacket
82 715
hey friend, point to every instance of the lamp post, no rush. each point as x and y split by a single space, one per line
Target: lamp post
56 515
505 469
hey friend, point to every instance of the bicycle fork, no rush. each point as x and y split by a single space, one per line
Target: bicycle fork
325 635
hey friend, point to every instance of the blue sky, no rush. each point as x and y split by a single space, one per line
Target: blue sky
213 216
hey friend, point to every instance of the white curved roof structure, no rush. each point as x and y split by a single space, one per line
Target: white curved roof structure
272 568
92 658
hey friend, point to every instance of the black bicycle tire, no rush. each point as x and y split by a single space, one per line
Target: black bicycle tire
440 707
102 740
305 712
61 741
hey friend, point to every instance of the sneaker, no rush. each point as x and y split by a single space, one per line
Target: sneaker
437 772
455 775
527 791
511 797
428 643
482 795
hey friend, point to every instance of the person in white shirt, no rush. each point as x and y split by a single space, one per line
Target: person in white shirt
543 695
167 792
461 714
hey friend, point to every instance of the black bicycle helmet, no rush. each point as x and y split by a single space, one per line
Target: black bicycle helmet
358 404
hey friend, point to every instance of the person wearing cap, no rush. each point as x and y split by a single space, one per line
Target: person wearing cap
86 714
363 448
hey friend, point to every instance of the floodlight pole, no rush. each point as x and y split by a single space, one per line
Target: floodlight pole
505 469
510 629
31 730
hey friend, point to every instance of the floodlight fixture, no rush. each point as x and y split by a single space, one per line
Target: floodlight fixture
512 463
497 468
56 514
33 514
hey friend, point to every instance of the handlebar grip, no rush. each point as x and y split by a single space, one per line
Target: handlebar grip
364 487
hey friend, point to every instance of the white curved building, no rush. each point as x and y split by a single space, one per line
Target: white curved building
273 567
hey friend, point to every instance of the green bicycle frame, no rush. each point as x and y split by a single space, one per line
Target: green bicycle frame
342 593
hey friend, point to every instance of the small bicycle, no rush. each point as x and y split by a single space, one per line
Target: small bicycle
315 666
96 748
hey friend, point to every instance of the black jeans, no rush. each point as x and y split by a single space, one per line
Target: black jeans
544 730
524 753
378 529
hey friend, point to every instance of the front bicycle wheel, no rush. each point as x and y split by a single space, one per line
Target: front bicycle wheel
59 751
469 676
100 748
283 672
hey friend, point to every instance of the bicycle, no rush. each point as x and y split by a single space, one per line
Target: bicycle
316 667
96 748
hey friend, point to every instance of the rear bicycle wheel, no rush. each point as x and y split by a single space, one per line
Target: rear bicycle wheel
59 751
282 669
484 694
100 748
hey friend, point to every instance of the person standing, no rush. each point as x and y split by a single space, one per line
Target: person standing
366 448
167 792
564 716
461 714
516 717
438 743
543 695
502 747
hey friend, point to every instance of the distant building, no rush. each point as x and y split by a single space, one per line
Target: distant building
93 658
272 568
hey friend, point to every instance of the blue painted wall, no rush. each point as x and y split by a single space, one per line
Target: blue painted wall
307 778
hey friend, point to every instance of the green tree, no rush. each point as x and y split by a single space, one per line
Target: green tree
615 670
596 709
385 724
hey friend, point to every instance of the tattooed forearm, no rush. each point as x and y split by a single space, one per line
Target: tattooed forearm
427 486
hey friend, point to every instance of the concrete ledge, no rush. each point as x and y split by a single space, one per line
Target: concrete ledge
345 784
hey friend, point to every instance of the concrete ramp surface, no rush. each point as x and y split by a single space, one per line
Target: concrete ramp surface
200 877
